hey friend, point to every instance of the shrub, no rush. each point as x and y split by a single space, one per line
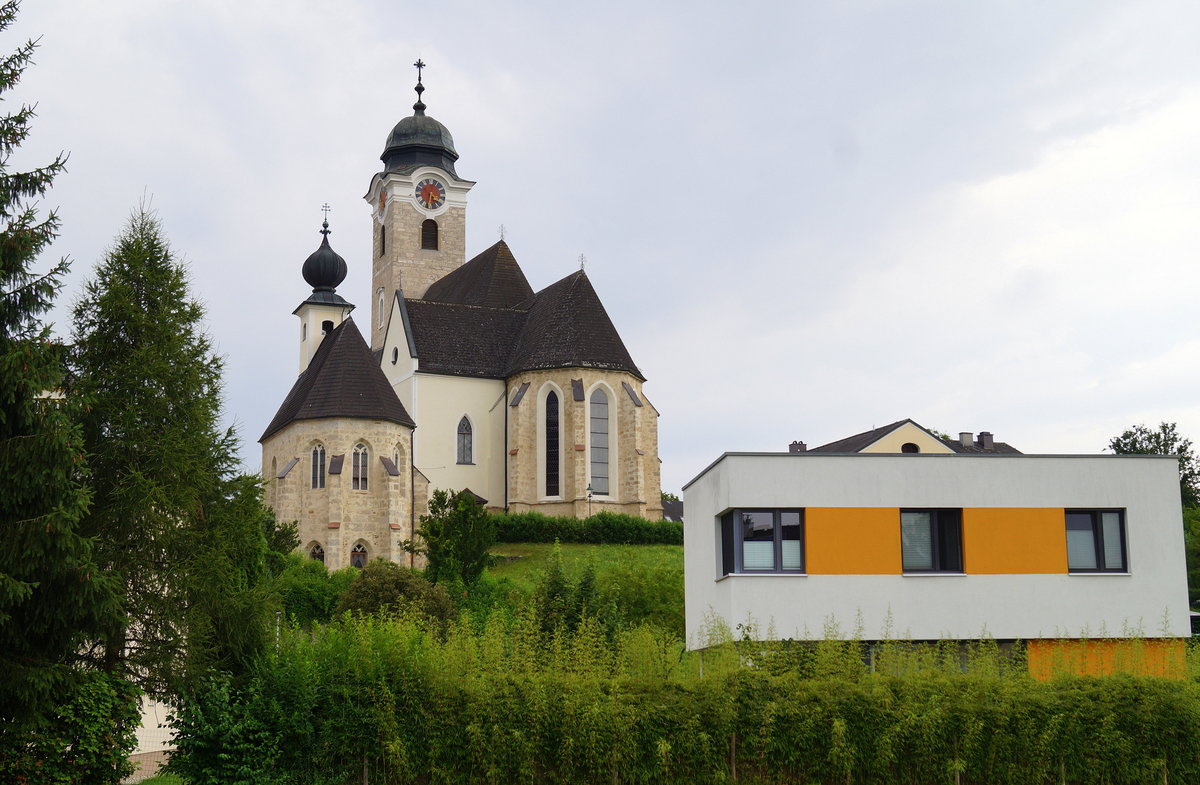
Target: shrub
387 588
602 528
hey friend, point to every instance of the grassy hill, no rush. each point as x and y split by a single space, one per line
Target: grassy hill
646 580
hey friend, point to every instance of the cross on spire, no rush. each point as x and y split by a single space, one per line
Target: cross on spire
419 106
582 261
325 208
502 230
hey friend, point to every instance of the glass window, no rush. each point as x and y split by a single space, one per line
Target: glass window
1095 541
599 434
316 553
762 541
318 466
429 235
464 440
931 540
552 457
358 469
358 556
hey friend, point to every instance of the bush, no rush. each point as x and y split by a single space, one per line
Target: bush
308 591
602 528
387 588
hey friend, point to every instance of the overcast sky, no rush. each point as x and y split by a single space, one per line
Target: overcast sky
805 219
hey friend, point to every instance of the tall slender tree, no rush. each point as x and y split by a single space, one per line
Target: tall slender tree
168 513
52 596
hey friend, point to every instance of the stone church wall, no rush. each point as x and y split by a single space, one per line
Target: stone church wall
336 516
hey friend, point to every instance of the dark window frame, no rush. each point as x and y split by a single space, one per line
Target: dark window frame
1097 525
946 531
465 453
553 440
429 235
733 542
317 477
316 552
359 556
359 474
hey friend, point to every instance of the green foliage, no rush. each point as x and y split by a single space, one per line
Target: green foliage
669 497
281 538
387 588
603 527
388 699
308 591
454 538
173 525
1165 440
1191 544
224 736
640 584
53 596
88 739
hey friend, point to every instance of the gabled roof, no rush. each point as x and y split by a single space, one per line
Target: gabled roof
860 441
492 279
568 327
342 380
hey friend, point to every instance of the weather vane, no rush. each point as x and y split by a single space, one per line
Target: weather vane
582 261
501 231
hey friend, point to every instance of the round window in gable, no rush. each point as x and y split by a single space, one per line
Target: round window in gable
909 447
395 355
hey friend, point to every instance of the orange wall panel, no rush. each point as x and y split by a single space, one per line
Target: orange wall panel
1166 657
1014 540
853 541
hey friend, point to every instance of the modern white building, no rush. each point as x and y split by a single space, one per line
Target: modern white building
925 546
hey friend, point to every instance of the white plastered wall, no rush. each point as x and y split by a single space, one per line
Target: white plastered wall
438 404
1148 601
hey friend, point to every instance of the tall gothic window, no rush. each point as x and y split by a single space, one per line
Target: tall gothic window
552 488
464 441
599 455
358 468
358 555
398 459
316 553
382 239
318 466
429 235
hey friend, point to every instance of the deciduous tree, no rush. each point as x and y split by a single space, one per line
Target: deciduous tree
1164 440
454 537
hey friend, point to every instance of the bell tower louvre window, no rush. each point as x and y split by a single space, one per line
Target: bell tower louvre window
429 235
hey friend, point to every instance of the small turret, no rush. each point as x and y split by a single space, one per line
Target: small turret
324 309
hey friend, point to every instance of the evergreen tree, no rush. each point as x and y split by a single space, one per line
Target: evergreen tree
174 526
52 596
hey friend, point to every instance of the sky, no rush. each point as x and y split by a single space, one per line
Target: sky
805 219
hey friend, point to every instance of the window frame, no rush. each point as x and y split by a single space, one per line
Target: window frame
360 462
733 542
431 239
465 447
317 473
552 444
1097 521
359 553
593 445
940 519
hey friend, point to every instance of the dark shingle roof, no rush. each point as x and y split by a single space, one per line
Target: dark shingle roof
483 319
463 340
568 327
342 380
492 279
997 447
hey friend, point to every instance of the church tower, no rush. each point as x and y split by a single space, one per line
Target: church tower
419 206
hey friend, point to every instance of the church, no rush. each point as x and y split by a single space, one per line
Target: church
471 380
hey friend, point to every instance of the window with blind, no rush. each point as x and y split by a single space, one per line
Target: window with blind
1096 541
599 443
762 541
931 540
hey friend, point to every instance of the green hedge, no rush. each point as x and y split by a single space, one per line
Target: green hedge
601 528
389 700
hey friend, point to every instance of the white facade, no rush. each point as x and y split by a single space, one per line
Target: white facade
1015 501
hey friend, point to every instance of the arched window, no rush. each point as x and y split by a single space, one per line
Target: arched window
382 239
381 314
318 466
358 555
552 488
599 431
316 553
429 235
464 440
304 331
358 468
326 327
909 447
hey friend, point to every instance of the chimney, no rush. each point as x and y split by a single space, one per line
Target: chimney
797 447
985 441
966 438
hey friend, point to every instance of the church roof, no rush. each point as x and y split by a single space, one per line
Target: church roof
493 278
568 327
484 320
342 380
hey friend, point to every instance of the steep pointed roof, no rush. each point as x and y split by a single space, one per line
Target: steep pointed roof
492 279
342 380
463 340
567 327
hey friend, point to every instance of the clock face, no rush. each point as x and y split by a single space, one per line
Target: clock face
431 194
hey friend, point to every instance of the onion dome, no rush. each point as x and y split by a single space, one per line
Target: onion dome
324 269
419 140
